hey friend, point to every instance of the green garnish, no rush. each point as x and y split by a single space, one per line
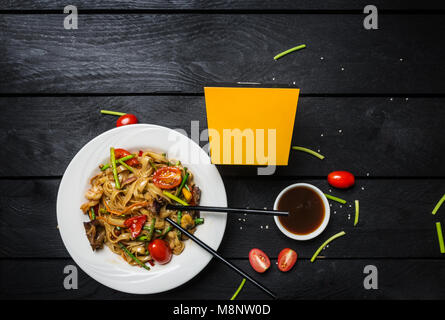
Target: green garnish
169 228
173 197
113 166
335 236
239 289
158 231
182 183
150 229
139 262
436 208
440 237
312 152
335 198
93 215
179 222
125 165
199 221
152 164
113 113
142 238
356 212
282 54
130 156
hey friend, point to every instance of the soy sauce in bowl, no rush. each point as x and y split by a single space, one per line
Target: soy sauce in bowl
308 211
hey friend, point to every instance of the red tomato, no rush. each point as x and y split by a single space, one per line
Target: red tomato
259 260
286 259
341 179
135 225
160 251
167 177
126 119
120 153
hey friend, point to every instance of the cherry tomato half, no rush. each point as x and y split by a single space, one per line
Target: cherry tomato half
120 153
126 119
167 177
341 179
286 259
259 260
160 251
135 225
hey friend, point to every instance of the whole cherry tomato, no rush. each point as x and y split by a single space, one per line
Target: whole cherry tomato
286 259
341 179
120 153
135 225
126 119
259 260
160 251
167 177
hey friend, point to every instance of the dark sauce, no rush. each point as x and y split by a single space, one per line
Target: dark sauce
306 210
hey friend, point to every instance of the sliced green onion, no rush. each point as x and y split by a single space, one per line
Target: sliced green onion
440 237
142 238
335 236
183 182
118 228
113 165
335 198
179 222
125 165
173 197
312 152
199 221
169 228
436 208
158 231
93 215
356 212
187 187
152 164
282 54
130 156
113 113
239 289
139 262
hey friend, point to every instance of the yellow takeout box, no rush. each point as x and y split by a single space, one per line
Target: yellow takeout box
250 126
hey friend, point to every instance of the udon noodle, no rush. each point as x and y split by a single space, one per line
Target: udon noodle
142 198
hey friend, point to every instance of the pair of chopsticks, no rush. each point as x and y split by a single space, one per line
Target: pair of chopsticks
213 252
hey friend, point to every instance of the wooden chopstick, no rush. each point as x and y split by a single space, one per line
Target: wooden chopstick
228 210
219 257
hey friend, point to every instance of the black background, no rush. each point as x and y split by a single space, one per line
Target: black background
381 117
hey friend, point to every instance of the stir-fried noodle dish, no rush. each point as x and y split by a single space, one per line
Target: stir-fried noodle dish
126 204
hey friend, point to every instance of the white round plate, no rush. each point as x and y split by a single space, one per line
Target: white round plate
109 268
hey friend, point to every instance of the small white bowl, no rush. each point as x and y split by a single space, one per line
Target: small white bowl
316 232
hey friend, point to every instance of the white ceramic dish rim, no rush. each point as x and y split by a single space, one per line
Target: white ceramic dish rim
132 279
320 228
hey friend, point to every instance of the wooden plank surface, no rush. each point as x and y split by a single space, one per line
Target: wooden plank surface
395 219
324 279
140 53
379 136
229 5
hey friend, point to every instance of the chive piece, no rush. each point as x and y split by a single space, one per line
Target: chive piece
93 215
199 221
440 237
187 187
169 228
130 156
125 165
356 212
282 54
142 238
113 165
118 228
152 164
436 208
335 198
239 289
335 236
183 182
158 231
113 113
152 228
173 197
312 152
139 262
179 222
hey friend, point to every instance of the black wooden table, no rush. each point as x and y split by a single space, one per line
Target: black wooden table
372 101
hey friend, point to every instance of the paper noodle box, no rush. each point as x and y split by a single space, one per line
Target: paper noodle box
250 126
